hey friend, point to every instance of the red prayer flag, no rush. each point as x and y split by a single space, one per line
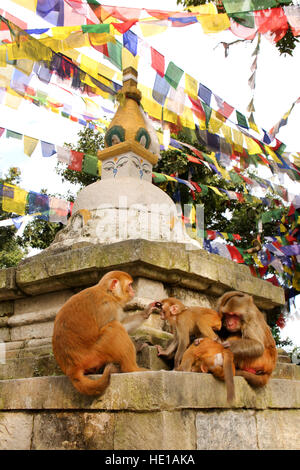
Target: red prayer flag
76 161
123 27
272 21
235 254
158 62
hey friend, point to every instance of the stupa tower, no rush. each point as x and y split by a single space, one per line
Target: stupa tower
125 204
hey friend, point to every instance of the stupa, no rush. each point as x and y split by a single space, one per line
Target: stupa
125 204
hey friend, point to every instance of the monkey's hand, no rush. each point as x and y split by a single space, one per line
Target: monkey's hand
148 310
226 344
160 350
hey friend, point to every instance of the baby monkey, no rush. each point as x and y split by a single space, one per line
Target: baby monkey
207 355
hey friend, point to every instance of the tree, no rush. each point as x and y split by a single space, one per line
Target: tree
40 233
286 45
11 252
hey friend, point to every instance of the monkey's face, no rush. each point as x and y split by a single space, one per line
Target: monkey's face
129 290
232 322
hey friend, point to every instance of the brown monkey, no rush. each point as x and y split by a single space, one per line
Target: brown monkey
187 321
88 333
249 338
206 355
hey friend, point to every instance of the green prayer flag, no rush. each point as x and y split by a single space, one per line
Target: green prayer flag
95 28
13 134
245 19
204 189
115 53
207 110
90 165
241 119
173 74
238 6
158 178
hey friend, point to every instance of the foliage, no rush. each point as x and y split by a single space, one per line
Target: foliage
90 141
220 214
11 253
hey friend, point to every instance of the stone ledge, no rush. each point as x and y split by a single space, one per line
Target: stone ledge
147 391
171 263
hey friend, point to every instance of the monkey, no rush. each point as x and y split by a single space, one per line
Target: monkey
91 331
187 321
249 338
207 355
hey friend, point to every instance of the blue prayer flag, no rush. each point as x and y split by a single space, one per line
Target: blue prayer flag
130 41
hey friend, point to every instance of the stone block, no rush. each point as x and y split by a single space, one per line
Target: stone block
6 308
73 431
226 430
148 358
8 286
4 334
15 431
33 330
286 371
151 431
278 430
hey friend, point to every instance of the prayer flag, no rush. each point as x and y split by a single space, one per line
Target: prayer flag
130 41
204 93
14 199
90 165
173 74
52 11
29 145
47 149
160 89
237 6
76 161
191 86
58 210
115 53
38 203
157 62
14 135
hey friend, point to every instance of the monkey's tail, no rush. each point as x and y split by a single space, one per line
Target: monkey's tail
253 379
89 386
229 370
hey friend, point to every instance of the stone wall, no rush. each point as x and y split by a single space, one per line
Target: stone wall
158 410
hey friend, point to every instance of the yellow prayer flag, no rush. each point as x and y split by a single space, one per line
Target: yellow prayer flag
62 32
214 125
202 124
169 116
160 137
29 145
151 107
97 39
12 98
106 71
14 199
252 124
215 190
206 9
28 4
151 29
252 146
272 154
29 48
3 56
187 118
214 23
237 140
257 260
225 235
227 133
191 86
129 60
99 167
89 66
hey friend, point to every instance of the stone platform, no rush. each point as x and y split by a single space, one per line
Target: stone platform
160 410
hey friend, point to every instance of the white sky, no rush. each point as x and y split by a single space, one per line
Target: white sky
198 54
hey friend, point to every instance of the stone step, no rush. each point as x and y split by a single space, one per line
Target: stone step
284 358
39 362
149 410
